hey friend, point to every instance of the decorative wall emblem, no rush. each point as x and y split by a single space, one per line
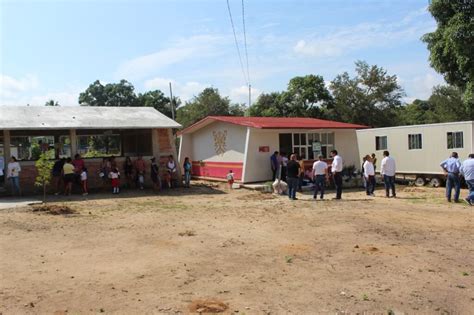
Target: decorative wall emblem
220 141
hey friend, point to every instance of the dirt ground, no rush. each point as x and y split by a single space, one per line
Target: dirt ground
205 249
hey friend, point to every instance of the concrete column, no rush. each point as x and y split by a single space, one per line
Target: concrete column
73 138
6 152
175 155
155 144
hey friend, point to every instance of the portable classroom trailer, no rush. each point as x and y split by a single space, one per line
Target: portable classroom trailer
419 149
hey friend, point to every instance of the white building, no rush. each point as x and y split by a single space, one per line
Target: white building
419 149
244 145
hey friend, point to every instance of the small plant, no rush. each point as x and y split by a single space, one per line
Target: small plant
289 259
43 166
365 297
465 274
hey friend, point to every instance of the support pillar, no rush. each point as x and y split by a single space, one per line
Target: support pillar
155 144
73 138
175 156
6 153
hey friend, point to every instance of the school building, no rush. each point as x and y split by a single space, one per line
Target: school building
93 132
244 145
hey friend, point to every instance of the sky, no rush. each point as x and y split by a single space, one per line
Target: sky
54 49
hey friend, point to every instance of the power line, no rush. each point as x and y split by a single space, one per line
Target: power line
236 42
245 43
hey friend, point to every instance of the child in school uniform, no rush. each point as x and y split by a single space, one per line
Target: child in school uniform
115 177
84 181
230 179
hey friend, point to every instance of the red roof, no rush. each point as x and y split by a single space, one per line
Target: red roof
274 123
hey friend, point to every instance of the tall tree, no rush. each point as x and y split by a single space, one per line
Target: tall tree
51 103
268 105
451 45
372 97
111 94
157 100
208 102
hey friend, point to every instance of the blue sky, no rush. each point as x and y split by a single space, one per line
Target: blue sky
55 49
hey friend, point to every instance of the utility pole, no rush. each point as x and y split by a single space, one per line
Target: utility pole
171 102
250 94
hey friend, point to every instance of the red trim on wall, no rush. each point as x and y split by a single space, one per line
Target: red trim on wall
217 169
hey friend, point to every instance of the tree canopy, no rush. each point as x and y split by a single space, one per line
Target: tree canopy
209 102
451 45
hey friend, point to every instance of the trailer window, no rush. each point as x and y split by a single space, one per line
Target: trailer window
381 143
455 140
415 142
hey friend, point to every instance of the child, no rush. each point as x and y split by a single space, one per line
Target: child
187 172
84 181
230 179
115 177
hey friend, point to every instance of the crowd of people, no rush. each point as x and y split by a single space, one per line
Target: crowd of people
288 175
67 172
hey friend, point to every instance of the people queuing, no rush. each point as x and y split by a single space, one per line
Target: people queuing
452 167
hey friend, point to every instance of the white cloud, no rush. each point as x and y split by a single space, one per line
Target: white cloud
195 47
421 86
365 35
185 91
241 94
10 87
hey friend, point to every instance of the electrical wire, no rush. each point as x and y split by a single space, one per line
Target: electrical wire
237 43
245 43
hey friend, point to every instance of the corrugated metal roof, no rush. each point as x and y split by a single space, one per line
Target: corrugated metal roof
82 117
274 123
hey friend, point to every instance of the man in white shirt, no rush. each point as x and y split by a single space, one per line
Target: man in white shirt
336 169
388 170
13 174
369 174
320 173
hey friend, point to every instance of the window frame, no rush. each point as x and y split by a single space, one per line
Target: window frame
376 143
454 147
421 141
99 135
308 147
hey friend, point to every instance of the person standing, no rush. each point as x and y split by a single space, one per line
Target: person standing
84 182
171 168
388 170
78 166
274 165
374 161
155 175
68 176
140 171
13 174
320 173
57 172
115 179
128 171
369 174
451 167
301 175
293 171
187 167
364 182
230 179
283 165
336 170
467 170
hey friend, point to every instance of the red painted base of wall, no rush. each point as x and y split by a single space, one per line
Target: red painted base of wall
217 169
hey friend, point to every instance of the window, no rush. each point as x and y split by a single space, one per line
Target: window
415 142
137 142
455 140
303 144
30 147
90 146
380 143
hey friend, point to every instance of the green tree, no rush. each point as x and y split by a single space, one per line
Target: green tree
451 45
268 105
158 101
444 105
51 103
371 97
111 94
209 102
43 167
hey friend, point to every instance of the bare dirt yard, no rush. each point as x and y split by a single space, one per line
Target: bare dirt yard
208 250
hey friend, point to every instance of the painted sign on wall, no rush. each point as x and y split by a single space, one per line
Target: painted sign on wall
220 138
264 149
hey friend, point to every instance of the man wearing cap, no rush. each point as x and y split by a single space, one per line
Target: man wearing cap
451 167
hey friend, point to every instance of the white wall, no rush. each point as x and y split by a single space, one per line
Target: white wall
434 145
257 166
185 147
345 143
202 143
